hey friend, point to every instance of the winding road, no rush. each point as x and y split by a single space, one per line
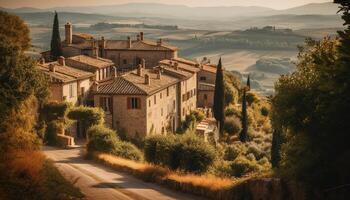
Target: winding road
98 182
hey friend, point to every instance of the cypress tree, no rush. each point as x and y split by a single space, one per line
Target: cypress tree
248 82
219 98
56 48
244 118
276 148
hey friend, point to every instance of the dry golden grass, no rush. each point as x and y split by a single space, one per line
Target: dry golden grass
204 185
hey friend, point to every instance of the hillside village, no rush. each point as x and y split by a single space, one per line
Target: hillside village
143 86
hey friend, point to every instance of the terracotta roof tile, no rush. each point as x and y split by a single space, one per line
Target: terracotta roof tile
64 73
131 83
93 62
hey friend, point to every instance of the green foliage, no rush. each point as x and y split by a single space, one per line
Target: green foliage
244 119
186 152
191 119
52 130
232 112
14 30
312 107
19 78
219 98
106 140
101 139
241 166
251 98
56 46
264 111
88 115
232 85
54 111
276 148
232 125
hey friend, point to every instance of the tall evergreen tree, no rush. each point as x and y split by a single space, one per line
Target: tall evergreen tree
248 82
244 118
219 98
56 48
276 148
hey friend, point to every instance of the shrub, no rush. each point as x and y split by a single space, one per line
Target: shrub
54 111
127 150
232 112
252 98
101 139
196 155
264 111
198 114
232 126
159 149
87 115
52 130
187 152
242 165
232 151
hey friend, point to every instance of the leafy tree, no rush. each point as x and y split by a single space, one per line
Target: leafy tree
312 106
219 98
244 119
16 32
276 148
56 48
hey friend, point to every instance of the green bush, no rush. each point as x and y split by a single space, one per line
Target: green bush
233 151
127 150
186 152
232 112
198 114
264 111
106 140
158 149
51 133
196 155
242 165
54 111
252 98
87 115
101 139
232 126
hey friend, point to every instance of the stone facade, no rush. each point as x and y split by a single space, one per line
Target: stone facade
206 86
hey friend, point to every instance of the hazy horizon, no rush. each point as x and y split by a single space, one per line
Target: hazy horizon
275 4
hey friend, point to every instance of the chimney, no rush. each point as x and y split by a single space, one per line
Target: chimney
143 63
129 42
94 49
61 60
159 74
114 72
95 86
140 70
52 68
103 43
147 79
176 65
141 36
68 33
138 37
159 42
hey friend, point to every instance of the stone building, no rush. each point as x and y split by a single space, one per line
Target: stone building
102 68
66 82
148 101
206 85
126 54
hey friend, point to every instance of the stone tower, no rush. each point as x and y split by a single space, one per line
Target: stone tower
69 33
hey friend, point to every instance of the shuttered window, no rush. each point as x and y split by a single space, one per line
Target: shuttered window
133 103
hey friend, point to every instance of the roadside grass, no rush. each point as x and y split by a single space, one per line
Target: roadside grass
29 175
209 186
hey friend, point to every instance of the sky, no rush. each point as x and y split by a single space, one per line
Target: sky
276 4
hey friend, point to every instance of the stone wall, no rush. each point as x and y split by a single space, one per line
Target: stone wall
189 104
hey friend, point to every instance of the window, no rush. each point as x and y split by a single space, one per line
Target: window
149 103
161 95
183 97
194 92
106 104
71 90
203 78
167 92
161 112
205 96
125 61
134 103
155 99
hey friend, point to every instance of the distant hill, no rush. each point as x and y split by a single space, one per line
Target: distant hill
313 9
185 12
